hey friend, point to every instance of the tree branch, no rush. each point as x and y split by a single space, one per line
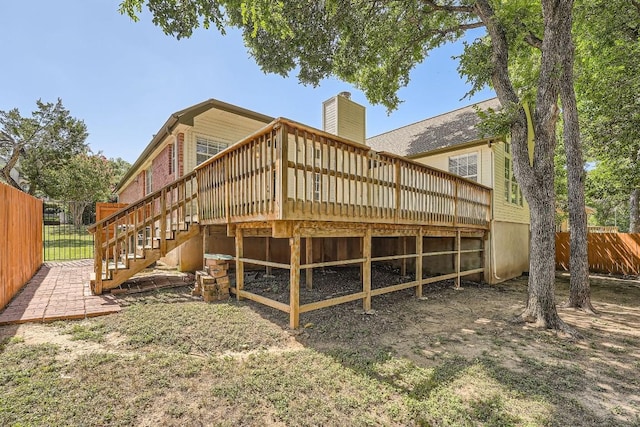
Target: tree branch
462 27
533 40
448 8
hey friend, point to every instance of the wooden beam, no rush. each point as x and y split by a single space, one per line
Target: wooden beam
98 255
267 248
419 239
393 288
265 263
366 270
458 242
262 300
294 281
403 261
282 172
239 263
163 222
394 257
332 263
309 260
331 302
281 229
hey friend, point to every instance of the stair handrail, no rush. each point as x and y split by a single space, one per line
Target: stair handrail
135 205
157 212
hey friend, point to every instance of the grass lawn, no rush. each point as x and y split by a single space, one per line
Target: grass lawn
452 358
66 242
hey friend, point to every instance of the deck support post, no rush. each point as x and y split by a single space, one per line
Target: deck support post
366 269
294 280
309 260
97 262
163 222
267 247
419 263
239 262
403 261
458 259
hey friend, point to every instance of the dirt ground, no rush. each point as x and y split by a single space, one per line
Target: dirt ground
478 320
600 372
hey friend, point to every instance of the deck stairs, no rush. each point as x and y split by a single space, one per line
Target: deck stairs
133 238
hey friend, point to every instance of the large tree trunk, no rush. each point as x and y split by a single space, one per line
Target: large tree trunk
541 305
579 293
535 179
634 211
77 210
11 163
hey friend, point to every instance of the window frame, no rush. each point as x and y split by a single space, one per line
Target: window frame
148 180
217 146
458 157
172 158
512 190
317 186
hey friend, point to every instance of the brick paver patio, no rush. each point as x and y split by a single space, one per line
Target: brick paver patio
59 290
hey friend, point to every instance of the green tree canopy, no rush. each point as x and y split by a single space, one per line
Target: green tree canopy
608 47
40 144
84 179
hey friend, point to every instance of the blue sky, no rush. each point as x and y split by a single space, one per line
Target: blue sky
124 79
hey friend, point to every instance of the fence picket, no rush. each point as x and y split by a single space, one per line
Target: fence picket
612 253
20 241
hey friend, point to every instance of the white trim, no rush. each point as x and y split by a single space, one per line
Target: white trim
211 142
474 177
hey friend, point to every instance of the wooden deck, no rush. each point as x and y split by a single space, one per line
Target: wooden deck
292 181
290 172
298 183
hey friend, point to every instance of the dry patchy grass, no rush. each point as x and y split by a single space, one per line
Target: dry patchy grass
450 359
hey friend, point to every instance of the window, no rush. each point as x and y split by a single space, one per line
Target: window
172 158
465 165
316 187
207 148
148 181
512 192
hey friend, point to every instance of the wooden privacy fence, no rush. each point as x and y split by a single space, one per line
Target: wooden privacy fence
614 253
20 240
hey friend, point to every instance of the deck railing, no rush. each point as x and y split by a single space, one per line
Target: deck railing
288 171
145 224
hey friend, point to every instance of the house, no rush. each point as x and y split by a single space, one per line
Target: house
299 199
186 139
451 142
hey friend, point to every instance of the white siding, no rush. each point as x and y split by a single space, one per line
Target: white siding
491 176
351 120
441 161
329 115
220 126
343 117
503 210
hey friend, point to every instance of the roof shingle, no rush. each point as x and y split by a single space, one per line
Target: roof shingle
446 130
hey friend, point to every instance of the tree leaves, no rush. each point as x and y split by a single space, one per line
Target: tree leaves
40 143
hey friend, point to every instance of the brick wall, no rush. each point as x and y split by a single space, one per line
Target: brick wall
160 173
180 154
160 169
134 191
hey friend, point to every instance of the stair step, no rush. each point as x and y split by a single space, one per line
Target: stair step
137 262
132 256
112 266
